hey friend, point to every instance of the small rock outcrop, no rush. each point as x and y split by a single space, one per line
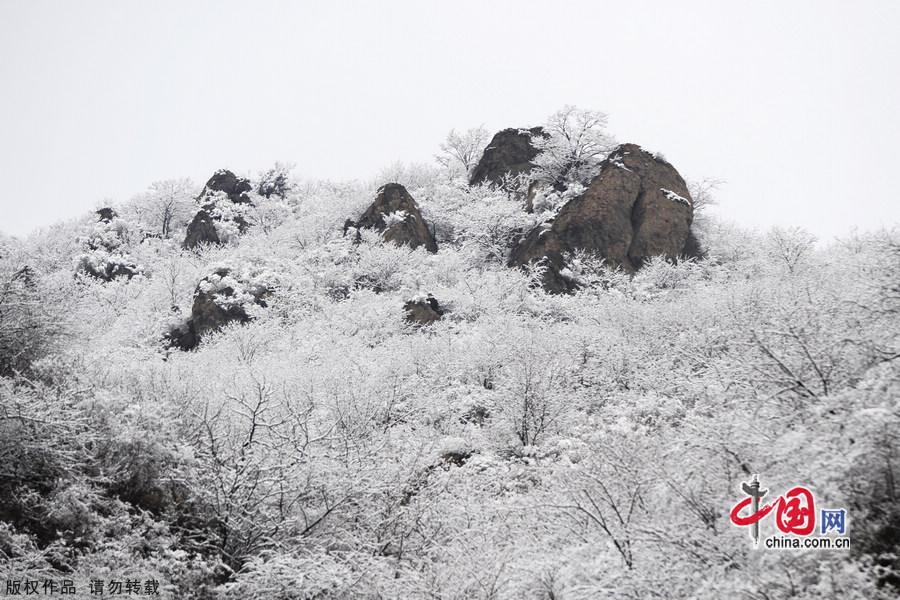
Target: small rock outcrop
509 153
423 310
222 186
226 182
219 299
637 207
396 214
106 215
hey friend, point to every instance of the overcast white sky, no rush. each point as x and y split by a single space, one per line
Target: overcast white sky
795 104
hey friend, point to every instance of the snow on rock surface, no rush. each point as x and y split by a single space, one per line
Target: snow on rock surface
396 214
626 215
221 216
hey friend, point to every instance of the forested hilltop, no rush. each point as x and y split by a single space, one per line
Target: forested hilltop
533 368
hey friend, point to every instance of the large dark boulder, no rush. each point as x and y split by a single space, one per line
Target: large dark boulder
202 228
395 213
209 315
213 308
509 153
637 207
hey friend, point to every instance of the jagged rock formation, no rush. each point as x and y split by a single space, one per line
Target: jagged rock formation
234 187
637 207
202 229
423 311
509 153
395 213
216 303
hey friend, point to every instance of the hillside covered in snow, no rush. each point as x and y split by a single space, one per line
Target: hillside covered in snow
535 367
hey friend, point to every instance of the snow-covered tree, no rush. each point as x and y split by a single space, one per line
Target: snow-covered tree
165 208
574 143
460 152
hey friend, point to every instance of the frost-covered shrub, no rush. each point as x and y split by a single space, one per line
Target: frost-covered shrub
243 286
789 249
106 265
547 201
32 318
229 218
460 152
480 218
344 265
394 218
267 215
323 209
164 209
591 274
105 254
276 183
382 266
661 276
413 176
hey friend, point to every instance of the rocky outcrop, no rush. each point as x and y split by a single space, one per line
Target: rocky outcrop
201 230
509 153
223 186
106 215
423 310
637 207
235 188
219 299
396 214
